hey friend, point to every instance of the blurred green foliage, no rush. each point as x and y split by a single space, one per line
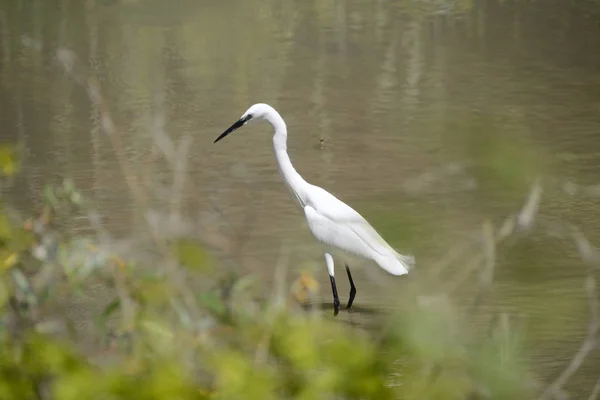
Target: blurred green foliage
152 340
192 256
8 160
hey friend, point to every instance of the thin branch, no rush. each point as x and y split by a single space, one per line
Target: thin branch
587 251
73 67
588 344
529 211
277 304
180 174
524 218
486 276
595 391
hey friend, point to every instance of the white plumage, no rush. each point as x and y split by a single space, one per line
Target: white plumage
331 221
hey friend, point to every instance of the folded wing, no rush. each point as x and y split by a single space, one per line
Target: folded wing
340 225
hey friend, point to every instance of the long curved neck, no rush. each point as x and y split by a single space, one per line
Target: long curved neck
291 177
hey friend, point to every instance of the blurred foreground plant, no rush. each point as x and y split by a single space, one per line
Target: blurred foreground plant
147 346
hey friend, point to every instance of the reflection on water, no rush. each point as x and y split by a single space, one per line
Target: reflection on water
433 119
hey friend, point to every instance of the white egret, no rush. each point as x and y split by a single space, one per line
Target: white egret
331 221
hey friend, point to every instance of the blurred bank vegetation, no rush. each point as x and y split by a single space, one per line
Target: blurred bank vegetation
154 338
176 325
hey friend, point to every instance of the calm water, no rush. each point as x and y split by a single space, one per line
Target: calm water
434 119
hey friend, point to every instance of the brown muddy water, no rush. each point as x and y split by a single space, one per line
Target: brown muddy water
432 119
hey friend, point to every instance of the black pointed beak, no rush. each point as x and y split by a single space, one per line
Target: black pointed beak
240 122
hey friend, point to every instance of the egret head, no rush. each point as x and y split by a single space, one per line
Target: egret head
256 112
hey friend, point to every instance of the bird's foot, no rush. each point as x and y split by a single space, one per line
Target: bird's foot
351 300
336 307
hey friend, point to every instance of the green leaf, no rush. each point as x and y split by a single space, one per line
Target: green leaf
111 308
213 302
5 228
68 185
21 280
158 328
50 196
8 160
4 293
192 255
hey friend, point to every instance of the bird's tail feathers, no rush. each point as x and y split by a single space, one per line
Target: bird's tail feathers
396 263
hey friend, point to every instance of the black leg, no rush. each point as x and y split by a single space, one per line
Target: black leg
336 299
352 287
